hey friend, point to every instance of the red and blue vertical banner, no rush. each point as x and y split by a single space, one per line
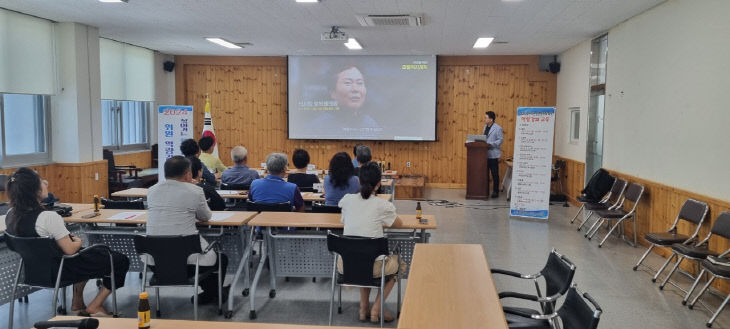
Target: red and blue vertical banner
174 125
532 162
208 126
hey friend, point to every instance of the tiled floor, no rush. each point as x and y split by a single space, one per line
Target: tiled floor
629 299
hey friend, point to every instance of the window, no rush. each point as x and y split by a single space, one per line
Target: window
25 129
574 125
125 124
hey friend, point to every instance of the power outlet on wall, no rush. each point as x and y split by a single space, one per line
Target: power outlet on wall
96 176
408 164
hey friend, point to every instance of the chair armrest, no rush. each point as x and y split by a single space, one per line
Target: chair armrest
590 299
515 274
510 294
87 249
544 316
212 245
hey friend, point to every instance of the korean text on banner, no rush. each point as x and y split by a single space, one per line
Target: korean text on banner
174 125
532 162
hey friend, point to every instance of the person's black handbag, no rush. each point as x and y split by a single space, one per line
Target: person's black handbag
599 184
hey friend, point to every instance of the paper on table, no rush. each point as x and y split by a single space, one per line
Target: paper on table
218 217
127 215
227 192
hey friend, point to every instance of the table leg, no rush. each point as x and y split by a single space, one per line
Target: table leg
256 277
243 264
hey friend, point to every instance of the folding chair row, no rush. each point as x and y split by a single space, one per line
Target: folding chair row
610 209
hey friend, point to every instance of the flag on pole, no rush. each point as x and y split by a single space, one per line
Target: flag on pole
208 125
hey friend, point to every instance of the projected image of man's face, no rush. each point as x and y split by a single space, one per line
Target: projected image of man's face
350 89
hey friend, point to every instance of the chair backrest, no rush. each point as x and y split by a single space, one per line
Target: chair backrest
599 184
114 204
170 253
109 157
3 182
634 192
722 225
238 187
41 258
558 273
307 189
323 208
693 211
575 313
617 190
154 156
358 256
260 206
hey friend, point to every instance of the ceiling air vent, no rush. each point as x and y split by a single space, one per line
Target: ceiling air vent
390 20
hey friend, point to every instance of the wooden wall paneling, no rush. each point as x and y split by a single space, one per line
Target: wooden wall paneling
249 103
72 182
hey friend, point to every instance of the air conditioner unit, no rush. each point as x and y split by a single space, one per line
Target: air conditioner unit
390 20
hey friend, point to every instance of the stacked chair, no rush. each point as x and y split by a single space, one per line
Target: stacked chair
595 191
558 275
611 201
633 194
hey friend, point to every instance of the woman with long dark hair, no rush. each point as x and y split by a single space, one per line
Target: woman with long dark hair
27 218
364 215
340 180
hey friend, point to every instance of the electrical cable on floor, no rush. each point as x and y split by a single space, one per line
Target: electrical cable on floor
452 204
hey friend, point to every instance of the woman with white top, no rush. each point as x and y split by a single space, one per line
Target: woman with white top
364 215
27 218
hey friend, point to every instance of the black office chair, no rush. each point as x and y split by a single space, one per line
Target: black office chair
237 187
575 313
693 212
323 208
261 206
137 204
558 273
42 266
358 258
611 201
170 254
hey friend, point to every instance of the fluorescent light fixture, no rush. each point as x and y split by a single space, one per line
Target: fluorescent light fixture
483 43
307 1
352 44
113 1
223 43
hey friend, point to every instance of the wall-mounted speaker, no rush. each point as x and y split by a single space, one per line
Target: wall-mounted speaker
168 66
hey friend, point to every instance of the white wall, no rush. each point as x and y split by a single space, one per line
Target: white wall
572 91
76 109
667 113
164 90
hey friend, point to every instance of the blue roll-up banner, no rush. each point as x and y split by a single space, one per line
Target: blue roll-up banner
174 125
532 162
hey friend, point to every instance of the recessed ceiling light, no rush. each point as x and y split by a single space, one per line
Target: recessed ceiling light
352 44
307 1
223 43
483 43
113 1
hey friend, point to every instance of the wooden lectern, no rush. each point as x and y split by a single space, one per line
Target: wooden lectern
477 179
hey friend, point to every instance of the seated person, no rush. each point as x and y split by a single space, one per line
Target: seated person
354 155
189 147
174 206
240 173
215 201
273 188
340 180
300 158
363 156
364 215
207 146
26 218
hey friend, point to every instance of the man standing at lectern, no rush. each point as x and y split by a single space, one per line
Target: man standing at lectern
495 137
